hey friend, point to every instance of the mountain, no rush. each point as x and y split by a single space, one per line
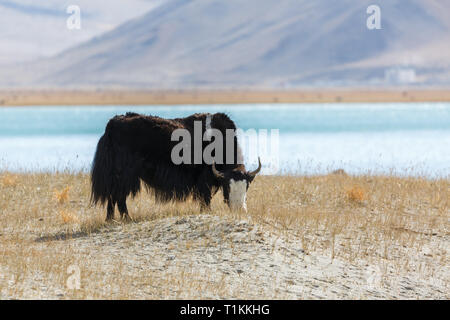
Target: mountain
258 43
31 30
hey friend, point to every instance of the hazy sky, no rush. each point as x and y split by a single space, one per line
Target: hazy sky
32 29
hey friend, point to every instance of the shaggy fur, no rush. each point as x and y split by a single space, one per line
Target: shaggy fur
137 148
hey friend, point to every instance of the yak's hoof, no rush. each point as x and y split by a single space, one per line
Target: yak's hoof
111 220
127 218
205 209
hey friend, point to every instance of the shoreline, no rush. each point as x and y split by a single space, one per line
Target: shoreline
303 175
10 98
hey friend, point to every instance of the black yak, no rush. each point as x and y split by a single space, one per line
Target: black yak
137 148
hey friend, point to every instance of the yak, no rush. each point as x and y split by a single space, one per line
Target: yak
137 148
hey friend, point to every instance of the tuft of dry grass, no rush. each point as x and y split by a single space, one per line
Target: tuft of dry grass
8 180
62 195
68 216
356 194
402 227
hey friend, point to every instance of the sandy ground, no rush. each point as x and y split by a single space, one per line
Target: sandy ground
218 258
130 97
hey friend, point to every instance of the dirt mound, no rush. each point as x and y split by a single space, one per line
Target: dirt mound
206 256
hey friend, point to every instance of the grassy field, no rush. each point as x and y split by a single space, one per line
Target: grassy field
163 97
332 236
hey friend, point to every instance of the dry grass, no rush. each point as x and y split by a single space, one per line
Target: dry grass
9 180
63 195
175 97
356 194
399 225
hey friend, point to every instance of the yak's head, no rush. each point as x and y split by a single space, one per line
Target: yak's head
235 184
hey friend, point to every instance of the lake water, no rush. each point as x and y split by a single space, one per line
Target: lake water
404 139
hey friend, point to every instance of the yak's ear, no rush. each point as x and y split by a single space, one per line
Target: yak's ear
217 174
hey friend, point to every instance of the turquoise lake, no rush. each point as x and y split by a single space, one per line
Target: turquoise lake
399 138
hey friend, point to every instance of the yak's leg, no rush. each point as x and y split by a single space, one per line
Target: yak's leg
205 206
122 205
205 191
205 200
110 210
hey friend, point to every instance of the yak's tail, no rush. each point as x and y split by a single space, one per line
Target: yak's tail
102 174
114 173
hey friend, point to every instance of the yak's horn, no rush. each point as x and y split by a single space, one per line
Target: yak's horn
216 172
254 173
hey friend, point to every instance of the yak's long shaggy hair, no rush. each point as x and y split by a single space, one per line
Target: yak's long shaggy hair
137 148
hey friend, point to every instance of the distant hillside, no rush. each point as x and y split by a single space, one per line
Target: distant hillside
258 43
31 29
